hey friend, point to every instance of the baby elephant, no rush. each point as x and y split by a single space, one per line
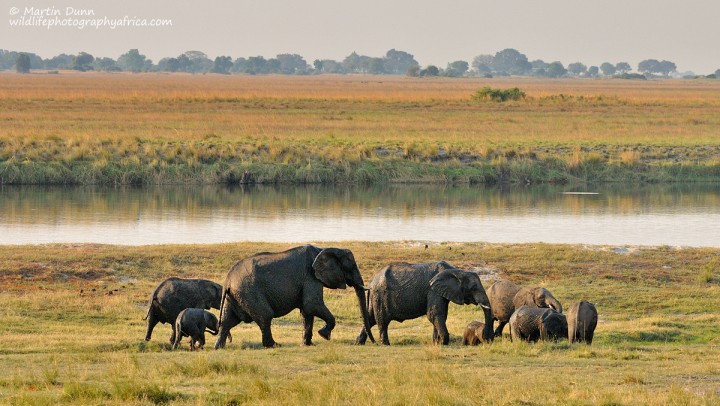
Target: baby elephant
473 333
193 323
582 319
534 323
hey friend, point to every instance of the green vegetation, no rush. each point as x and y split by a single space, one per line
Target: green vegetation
161 129
498 95
73 334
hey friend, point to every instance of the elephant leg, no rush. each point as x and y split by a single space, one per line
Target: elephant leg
177 339
174 332
152 320
229 320
318 309
267 338
383 324
308 326
440 332
499 329
202 341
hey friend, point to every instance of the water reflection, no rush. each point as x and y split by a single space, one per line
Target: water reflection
678 214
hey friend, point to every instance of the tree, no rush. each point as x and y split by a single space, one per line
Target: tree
666 67
431 70
199 62
607 69
132 61
105 64
623 67
184 64
413 71
328 66
456 69
649 66
169 65
62 61
577 68
239 65
717 74
83 61
376 66
482 63
255 64
556 70
292 64
22 64
511 62
593 71
398 62
222 65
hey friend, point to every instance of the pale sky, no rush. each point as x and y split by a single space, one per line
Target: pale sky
436 32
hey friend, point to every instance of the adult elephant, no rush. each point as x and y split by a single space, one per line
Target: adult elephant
533 323
269 285
174 295
403 291
505 297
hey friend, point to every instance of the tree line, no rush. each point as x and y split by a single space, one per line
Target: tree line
507 62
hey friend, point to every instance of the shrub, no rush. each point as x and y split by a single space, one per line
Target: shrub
498 95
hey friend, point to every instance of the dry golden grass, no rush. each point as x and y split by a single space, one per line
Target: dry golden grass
65 340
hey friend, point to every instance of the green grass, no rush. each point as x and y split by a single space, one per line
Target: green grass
67 340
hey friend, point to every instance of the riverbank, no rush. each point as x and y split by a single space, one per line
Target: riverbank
73 333
180 129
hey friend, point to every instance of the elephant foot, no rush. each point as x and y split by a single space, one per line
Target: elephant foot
272 345
359 342
325 333
309 344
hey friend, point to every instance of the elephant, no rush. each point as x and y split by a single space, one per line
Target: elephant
193 323
582 319
174 295
534 323
473 333
403 291
506 296
268 285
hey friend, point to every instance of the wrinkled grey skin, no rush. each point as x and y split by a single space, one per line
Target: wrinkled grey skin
506 296
174 295
473 333
403 291
534 323
268 285
582 319
193 323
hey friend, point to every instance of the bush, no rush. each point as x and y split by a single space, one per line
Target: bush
632 76
498 95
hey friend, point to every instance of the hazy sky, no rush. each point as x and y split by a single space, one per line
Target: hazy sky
685 32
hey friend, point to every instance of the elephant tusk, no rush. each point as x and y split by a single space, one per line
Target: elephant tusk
485 307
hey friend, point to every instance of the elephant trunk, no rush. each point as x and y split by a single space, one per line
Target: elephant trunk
555 305
360 292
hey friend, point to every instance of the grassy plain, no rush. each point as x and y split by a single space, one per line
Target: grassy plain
94 128
72 332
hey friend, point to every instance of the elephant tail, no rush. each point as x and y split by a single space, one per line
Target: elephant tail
150 305
222 307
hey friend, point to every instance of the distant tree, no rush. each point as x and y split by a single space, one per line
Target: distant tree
398 62
511 62
413 71
22 64
539 64
105 64
199 62
169 65
482 63
184 64
717 74
328 66
83 61
577 68
239 65
62 61
222 65
623 67
456 69
593 71
292 64
148 66
255 64
132 61
666 67
376 66
607 69
430 70
649 66
556 70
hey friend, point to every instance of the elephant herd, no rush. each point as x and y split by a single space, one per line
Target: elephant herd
270 285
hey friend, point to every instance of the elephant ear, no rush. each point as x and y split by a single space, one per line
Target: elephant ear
524 297
328 268
447 285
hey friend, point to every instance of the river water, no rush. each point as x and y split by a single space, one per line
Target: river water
677 215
